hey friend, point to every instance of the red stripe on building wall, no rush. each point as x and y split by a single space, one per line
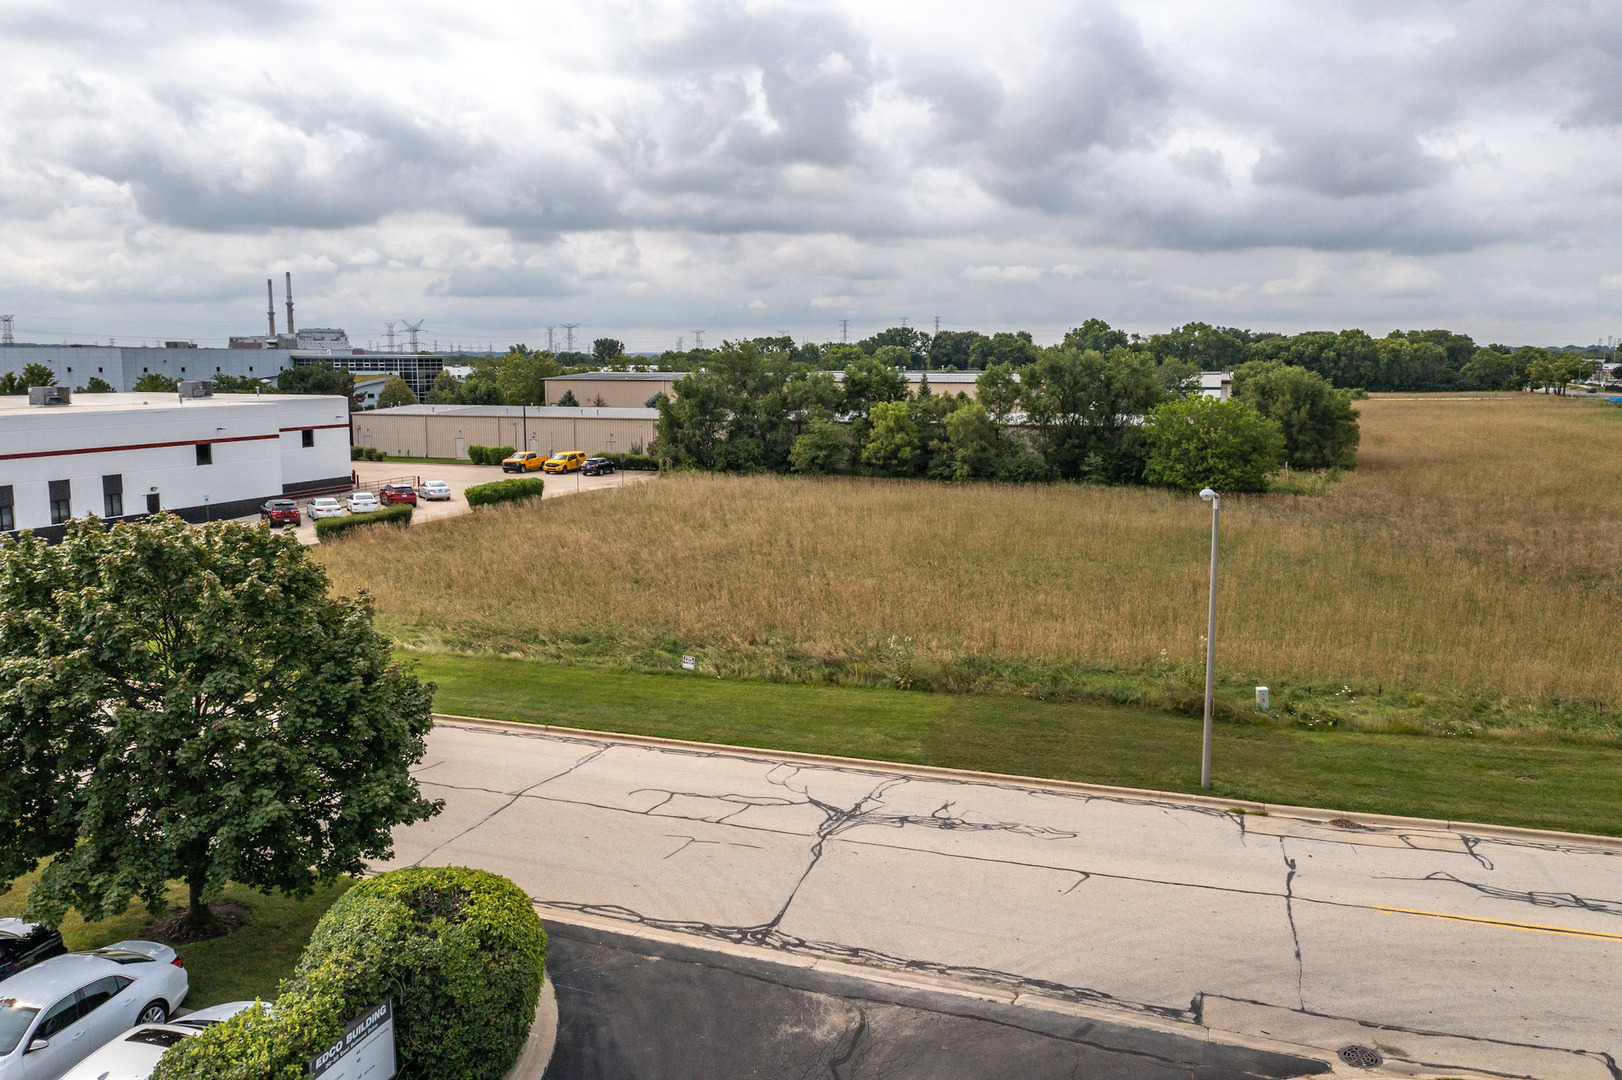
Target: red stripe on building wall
316 427
135 446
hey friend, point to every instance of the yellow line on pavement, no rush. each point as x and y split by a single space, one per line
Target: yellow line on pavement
1537 928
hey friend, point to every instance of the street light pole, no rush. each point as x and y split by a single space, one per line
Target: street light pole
1210 640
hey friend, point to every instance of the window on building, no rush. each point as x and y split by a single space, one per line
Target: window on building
98 371
112 495
145 370
205 454
61 501
309 437
182 371
8 520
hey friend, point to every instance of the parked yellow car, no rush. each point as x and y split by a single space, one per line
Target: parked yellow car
523 461
565 461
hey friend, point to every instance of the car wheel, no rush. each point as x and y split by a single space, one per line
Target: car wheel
153 1012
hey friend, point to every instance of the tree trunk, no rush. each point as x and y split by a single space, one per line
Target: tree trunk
198 915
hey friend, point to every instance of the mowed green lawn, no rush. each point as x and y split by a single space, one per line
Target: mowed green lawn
1548 786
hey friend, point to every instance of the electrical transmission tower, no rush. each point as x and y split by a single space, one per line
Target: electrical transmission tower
551 345
411 333
6 336
391 335
844 331
937 326
681 343
568 335
698 339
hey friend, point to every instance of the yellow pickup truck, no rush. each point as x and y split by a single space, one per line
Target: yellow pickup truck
523 461
565 461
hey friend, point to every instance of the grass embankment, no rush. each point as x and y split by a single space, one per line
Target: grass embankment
240 966
1487 780
1463 578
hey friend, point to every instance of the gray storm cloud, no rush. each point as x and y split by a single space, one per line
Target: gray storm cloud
788 165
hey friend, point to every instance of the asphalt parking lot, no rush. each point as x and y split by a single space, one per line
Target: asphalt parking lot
460 478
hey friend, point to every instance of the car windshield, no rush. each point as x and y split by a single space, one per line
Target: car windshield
14 1020
156 1037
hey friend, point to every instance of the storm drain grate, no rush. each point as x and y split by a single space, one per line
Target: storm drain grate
1364 1057
1344 823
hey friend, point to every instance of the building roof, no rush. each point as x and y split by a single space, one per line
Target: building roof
619 376
11 404
540 412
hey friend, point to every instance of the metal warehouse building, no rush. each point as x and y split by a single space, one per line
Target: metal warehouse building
446 431
628 389
126 455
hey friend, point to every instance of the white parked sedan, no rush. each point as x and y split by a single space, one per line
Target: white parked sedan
134 1054
322 508
362 502
60 1011
434 489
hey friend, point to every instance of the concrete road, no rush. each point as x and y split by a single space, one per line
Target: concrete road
1459 948
634 1009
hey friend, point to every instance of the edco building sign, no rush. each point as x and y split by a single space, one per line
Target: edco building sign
365 1052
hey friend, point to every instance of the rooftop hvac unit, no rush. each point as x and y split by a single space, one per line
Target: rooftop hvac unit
196 388
49 395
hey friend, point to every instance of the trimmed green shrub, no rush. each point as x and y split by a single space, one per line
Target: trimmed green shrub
366 453
489 455
461 952
633 461
329 528
1201 442
525 487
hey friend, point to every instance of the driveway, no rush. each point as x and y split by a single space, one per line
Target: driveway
1463 947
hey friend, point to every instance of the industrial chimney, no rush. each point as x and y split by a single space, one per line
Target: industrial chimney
290 329
270 296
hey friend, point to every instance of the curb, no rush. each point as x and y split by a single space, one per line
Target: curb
1303 813
543 1037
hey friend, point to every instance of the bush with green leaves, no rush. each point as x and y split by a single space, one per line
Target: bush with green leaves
366 453
489 455
331 528
821 448
634 461
524 487
460 952
1318 421
1198 441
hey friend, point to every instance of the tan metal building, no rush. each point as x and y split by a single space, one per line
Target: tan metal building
614 389
446 431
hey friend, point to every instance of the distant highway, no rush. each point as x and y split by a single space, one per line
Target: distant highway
1460 948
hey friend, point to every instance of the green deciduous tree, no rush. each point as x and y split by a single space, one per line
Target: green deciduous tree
396 391
998 391
520 374
188 703
606 350
1084 409
1495 367
96 385
445 389
821 448
154 383
236 384
1198 442
1318 422
319 378
892 446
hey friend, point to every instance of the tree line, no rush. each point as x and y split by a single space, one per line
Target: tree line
1122 416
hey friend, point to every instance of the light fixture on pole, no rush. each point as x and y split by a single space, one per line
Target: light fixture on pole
1215 500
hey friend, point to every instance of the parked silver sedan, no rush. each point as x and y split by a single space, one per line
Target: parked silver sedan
60 1011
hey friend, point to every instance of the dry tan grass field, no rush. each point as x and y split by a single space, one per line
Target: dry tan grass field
1476 548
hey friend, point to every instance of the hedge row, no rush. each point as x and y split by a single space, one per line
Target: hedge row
489 455
366 453
633 461
398 514
461 952
527 487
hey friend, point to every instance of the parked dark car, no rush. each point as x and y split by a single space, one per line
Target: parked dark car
597 466
389 494
281 512
23 944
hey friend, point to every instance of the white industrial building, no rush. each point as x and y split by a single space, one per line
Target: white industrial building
126 455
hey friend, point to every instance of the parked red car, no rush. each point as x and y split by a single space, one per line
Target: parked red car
389 494
281 512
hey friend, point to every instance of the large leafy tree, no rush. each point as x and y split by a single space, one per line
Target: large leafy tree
519 374
1198 442
1085 407
154 383
320 378
396 391
183 703
1318 422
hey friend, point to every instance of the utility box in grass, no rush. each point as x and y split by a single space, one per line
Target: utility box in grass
1261 698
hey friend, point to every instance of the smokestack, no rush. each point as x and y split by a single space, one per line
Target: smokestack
290 302
270 296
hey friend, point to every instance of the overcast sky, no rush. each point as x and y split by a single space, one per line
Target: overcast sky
644 169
